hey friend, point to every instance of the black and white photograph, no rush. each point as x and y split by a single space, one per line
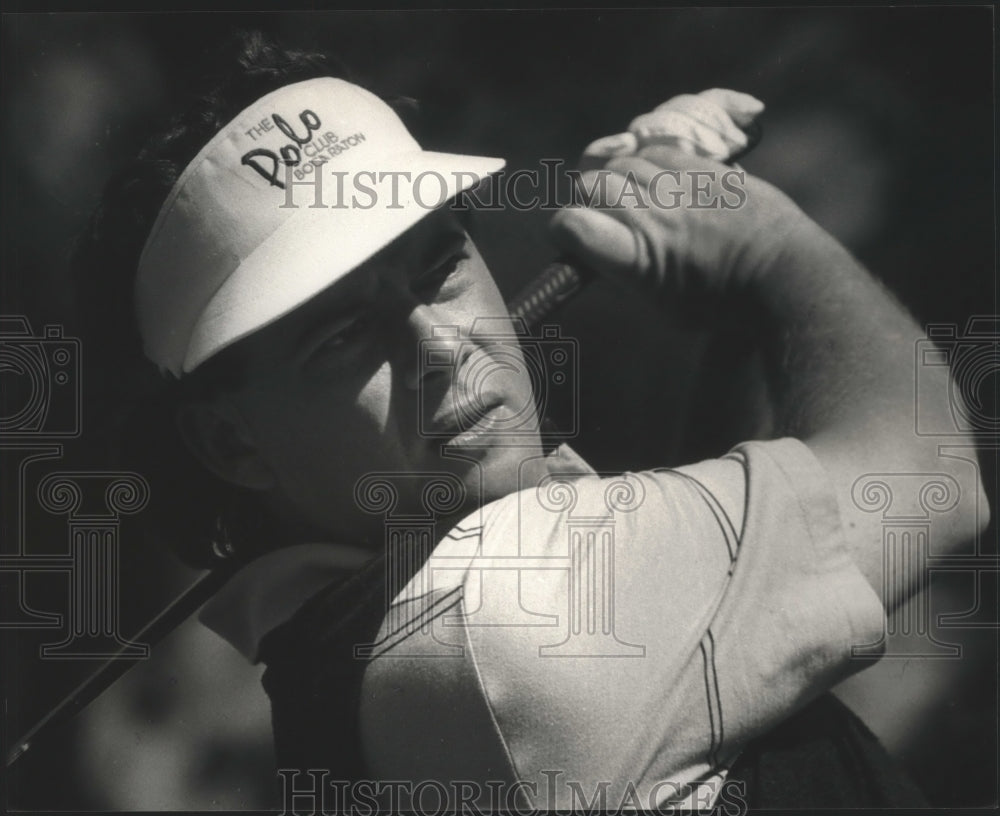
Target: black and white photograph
475 411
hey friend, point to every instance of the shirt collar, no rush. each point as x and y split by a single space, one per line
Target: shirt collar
270 589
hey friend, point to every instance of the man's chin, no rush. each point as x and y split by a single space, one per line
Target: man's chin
491 471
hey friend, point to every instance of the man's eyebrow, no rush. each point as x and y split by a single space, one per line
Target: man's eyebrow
446 237
445 241
327 312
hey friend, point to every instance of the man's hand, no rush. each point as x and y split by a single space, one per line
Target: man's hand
712 124
679 226
666 174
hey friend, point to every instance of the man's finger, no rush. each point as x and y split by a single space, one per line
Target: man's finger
621 144
666 156
603 243
709 114
742 108
671 126
598 152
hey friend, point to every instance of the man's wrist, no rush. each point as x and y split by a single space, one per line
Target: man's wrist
794 257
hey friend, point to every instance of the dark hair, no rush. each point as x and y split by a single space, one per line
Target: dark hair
187 502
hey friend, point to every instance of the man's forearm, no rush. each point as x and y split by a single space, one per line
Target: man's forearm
839 345
840 352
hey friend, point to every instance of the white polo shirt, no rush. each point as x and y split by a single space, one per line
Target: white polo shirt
620 637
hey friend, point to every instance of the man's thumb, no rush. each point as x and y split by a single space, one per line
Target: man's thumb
598 241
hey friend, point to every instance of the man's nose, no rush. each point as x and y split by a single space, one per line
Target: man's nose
439 345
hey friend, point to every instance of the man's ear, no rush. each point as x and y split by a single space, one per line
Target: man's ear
215 432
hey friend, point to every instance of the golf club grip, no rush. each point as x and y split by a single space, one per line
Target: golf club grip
557 284
563 279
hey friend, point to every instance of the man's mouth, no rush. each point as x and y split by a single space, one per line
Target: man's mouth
467 421
484 423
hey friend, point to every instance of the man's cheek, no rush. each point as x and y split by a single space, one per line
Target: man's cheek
373 406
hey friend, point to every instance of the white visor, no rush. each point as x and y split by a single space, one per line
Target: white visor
299 189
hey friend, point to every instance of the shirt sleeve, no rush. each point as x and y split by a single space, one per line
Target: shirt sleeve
629 633
794 607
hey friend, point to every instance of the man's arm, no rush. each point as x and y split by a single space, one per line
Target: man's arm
839 347
842 354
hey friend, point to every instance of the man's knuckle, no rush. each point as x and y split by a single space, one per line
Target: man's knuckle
622 164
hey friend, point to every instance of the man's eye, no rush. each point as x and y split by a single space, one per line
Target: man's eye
345 335
442 271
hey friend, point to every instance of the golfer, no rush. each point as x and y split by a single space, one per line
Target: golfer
452 606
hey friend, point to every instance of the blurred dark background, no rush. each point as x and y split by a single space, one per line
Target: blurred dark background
879 124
